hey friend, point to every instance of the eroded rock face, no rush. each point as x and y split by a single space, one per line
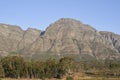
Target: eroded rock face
65 36
10 37
14 39
68 36
113 38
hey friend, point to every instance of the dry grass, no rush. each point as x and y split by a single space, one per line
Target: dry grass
76 76
83 76
80 78
19 79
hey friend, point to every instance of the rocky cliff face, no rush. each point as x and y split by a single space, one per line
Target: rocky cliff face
113 38
14 39
65 36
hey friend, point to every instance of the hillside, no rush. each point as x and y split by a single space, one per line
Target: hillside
64 37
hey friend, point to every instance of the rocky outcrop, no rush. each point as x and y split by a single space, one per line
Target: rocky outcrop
113 38
14 39
65 36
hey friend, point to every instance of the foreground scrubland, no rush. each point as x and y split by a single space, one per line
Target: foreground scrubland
65 68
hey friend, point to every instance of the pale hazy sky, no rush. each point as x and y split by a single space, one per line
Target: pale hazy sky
100 14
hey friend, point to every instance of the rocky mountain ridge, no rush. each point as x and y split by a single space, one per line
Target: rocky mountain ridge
65 36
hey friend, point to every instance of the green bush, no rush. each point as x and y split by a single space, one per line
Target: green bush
69 78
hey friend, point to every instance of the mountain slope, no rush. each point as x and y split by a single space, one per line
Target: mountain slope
65 36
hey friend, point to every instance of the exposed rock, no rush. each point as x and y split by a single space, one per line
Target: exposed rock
10 36
14 39
113 38
29 37
65 36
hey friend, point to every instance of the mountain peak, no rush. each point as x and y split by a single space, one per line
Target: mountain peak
8 26
65 36
67 20
68 26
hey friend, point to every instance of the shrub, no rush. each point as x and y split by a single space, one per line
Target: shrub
69 78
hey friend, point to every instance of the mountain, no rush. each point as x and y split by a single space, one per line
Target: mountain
64 37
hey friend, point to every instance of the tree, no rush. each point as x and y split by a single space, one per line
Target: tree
66 65
50 68
13 66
